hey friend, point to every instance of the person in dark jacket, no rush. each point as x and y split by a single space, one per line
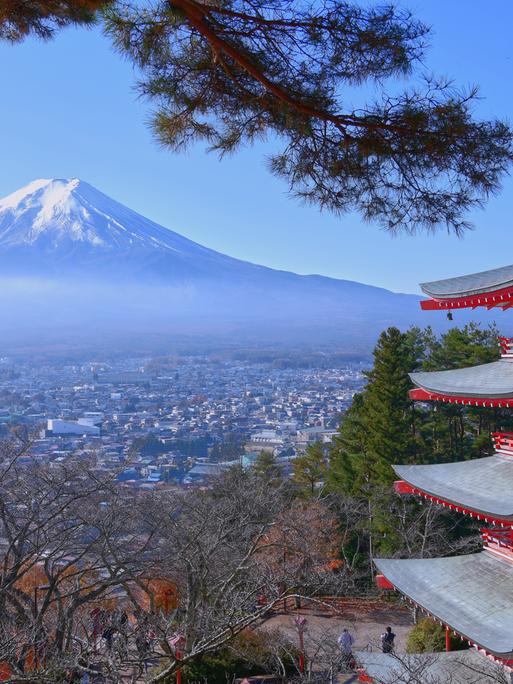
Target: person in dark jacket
387 640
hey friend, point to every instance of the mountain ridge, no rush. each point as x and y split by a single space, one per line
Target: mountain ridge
70 256
52 213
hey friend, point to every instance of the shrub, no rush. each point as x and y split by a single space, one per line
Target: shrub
219 668
428 636
250 653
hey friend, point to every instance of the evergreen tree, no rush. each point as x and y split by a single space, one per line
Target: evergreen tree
451 432
461 347
379 429
19 18
309 469
389 412
267 467
384 427
348 448
229 73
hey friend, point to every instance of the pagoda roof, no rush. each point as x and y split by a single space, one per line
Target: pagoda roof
487 381
456 667
475 283
487 288
473 595
482 486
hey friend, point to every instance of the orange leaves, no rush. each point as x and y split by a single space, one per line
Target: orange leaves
30 578
5 671
158 594
306 535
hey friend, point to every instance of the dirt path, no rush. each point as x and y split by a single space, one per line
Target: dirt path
365 619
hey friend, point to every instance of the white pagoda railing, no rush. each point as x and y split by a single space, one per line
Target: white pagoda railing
506 347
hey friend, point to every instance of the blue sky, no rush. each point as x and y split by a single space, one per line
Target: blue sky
68 109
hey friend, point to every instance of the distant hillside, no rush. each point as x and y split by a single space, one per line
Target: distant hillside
75 262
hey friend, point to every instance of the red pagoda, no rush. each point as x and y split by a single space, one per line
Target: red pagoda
471 595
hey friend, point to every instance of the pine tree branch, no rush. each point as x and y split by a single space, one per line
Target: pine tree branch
195 14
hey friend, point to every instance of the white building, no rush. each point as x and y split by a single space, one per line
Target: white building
57 426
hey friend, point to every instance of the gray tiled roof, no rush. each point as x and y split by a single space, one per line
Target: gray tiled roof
476 283
488 380
457 667
472 594
462 483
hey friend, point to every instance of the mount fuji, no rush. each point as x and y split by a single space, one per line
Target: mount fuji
66 227
73 258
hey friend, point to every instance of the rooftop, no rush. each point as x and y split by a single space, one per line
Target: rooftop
489 380
473 595
461 483
475 283
458 667
488 289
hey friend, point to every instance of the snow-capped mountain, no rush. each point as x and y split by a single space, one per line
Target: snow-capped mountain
58 213
68 223
70 253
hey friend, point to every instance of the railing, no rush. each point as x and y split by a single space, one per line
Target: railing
498 536
503 442
506 347
346 605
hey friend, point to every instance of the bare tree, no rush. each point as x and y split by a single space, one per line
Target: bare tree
70 544
86 562
96 577
235 552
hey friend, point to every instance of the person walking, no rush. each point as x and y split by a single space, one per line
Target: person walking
108 636
346 641
143 649
387 640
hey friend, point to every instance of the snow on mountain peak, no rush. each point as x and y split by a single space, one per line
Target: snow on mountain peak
12 200
57 212
49 209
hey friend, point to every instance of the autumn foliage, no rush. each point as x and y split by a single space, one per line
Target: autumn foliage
153 595
284 546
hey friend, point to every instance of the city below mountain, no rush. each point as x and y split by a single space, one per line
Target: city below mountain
76 263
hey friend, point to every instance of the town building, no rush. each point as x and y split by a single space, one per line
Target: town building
82 426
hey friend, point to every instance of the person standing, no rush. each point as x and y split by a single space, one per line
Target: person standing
108 636
346 641
387 640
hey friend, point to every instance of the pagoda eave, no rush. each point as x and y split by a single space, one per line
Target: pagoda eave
420 394
403 487
479 487
470 595
488 384
502 299
489 289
